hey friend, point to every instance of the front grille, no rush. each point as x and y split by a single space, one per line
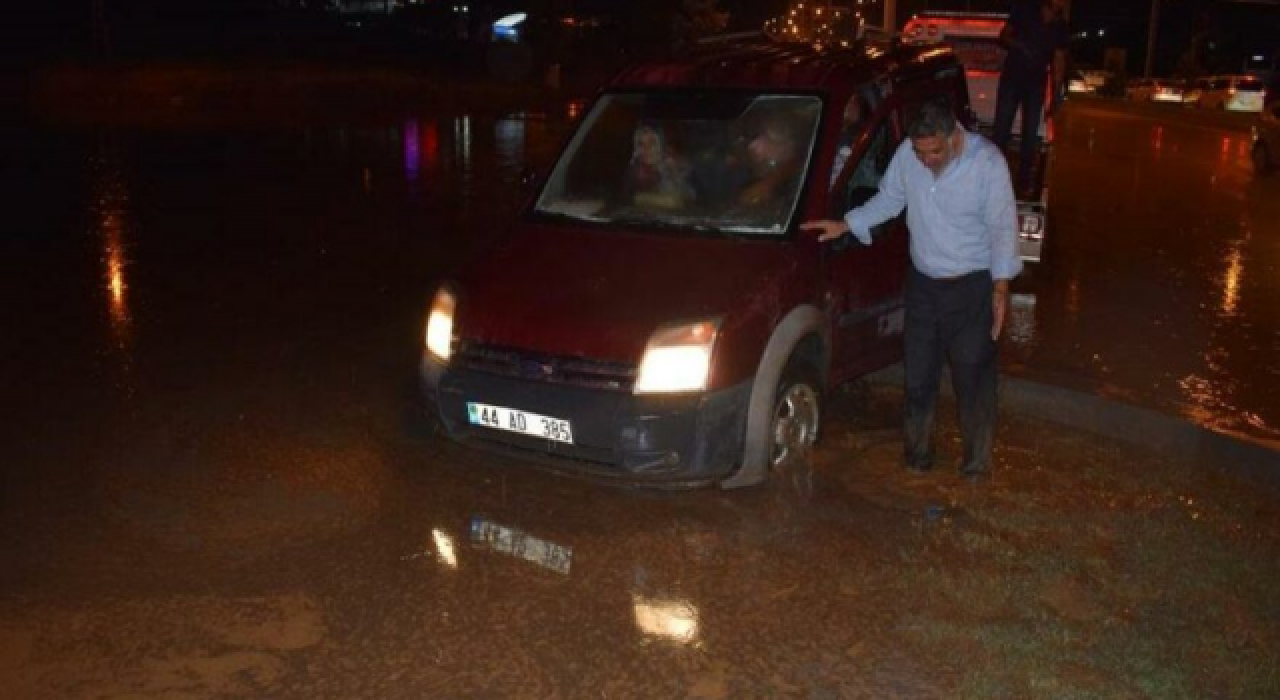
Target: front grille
574 371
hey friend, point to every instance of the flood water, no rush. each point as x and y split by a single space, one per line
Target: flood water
211 484
132 255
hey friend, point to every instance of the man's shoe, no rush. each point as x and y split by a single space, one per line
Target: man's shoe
975 473
976 478
920 465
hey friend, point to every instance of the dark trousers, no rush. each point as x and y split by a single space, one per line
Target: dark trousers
950 320
1028 93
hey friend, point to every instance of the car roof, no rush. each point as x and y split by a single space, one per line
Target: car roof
934 25
761 62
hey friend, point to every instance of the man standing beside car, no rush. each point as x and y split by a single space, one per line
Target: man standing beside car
1035 37
962 220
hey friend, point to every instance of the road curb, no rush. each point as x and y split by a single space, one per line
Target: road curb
1152 430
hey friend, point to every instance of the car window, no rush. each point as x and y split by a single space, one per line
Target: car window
864 181
1249 84
718 160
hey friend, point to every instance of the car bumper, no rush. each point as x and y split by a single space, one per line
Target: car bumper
682 440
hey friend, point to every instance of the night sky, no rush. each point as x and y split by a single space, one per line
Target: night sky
49 30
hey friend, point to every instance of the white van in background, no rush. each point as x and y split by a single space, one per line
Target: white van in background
1233 93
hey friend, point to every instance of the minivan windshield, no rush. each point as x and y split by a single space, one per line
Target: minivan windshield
692 161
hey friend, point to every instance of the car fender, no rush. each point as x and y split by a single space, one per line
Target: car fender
795 326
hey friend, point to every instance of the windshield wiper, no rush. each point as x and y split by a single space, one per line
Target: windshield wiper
561 216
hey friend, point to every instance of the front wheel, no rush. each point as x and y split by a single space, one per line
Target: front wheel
797 416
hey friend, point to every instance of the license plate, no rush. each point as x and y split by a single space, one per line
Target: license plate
523 422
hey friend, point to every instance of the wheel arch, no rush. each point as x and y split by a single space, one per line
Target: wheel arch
803 333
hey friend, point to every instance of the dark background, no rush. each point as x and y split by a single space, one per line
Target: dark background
1223 35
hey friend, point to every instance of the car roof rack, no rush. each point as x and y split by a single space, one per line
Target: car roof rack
959 14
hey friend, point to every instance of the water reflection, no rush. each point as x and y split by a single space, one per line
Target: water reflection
109 211
521 545
444 548
431 144
412 156
509 139
1072 302
1231 280
420 146
672 619
1022 319
462 144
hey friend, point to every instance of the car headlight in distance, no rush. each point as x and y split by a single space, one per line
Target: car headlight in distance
440 325
678 358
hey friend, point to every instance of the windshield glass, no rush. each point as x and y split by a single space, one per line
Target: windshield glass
713 161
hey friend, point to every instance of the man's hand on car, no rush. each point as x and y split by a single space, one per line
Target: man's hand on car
830 229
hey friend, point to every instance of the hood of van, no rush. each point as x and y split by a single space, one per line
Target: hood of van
601 294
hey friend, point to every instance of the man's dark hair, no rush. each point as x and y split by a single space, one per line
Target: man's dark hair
932 118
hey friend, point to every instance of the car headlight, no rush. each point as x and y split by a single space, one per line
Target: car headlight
440 325
678 358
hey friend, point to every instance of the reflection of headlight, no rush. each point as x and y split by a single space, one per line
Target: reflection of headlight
440 325
678 358
444 548
674 619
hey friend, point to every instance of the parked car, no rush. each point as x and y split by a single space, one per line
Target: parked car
1266 139
1235 93
687 334
1155 90
1077 85
1141 89
1170 91
1095 80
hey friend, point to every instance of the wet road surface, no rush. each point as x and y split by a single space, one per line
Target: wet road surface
214 484
1161 286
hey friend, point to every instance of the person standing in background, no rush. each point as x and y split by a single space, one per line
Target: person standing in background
1035 37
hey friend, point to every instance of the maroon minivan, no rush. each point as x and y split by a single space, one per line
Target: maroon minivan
655 314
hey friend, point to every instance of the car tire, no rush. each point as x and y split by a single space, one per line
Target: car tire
797 417
1262 163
